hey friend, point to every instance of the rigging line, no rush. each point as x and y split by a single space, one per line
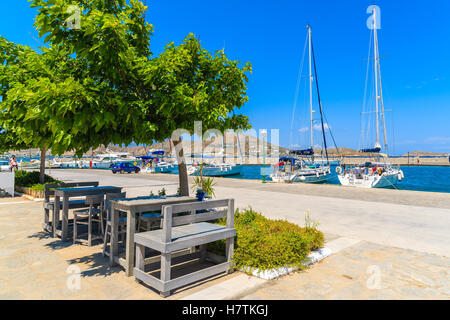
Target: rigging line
393 133
299 77
332 136
382 106
361 137
320 102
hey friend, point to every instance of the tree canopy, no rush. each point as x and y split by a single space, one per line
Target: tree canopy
98 83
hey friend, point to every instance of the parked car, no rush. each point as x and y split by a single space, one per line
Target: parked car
125 167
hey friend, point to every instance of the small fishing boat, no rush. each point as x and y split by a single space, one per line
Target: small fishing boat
219 170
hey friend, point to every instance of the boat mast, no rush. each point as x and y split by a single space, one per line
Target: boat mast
320 105
375 52
310 87
382 108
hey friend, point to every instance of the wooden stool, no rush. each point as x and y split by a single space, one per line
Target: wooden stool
92 214
152 221
122 221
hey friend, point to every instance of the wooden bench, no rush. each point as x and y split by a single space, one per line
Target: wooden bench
180 232
50 205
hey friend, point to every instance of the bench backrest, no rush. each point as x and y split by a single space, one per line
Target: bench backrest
49 187
222 209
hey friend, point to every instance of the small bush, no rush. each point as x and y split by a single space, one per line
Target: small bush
30 178
266 244
38 187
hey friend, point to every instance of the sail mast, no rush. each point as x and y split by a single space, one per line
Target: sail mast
320 104
375 53
382 110
310 88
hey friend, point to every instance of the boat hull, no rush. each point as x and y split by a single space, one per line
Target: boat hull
220 171
387 180
320 175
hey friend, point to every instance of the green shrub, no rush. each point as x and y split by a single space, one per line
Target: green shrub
266 244
37 187
29 178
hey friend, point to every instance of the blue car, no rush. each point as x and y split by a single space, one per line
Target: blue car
125 167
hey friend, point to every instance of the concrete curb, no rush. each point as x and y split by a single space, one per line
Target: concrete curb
28 196
271 274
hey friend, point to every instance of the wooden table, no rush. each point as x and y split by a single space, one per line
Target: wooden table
66 194
132 207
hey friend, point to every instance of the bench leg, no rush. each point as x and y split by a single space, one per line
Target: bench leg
140 257
105 237
56 208
46 217
75 231
203 252
166 259
229 250
90 228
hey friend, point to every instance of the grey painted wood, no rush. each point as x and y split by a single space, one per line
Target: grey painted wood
148 279
114 249
167 224
131 227
66 193
196 276
148 204
188 207
56 216
184 233
107 208
165 271
194 218
133 206
48 192
140 257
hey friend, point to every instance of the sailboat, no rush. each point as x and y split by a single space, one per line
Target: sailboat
379 174
294 169
223 169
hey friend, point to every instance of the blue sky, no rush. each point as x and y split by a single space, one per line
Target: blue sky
414 45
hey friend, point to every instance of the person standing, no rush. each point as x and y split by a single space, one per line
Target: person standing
13 164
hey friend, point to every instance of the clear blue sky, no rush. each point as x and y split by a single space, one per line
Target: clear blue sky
414 44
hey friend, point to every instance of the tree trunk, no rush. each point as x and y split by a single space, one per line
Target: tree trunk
182 170
42 166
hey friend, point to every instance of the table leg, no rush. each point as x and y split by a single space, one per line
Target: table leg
131 227
113 246
56 215
65 218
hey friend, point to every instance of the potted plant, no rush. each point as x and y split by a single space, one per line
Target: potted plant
204 188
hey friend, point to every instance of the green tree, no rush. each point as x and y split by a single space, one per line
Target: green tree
98 83
21 122
190 84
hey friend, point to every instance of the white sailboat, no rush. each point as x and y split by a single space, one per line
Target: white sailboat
298 170
379 174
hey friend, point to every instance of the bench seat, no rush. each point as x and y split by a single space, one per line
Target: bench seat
185 236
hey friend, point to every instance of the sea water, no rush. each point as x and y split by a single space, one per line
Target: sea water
417 178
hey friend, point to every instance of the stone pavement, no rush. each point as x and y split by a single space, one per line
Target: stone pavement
365 271
403 249
35 266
